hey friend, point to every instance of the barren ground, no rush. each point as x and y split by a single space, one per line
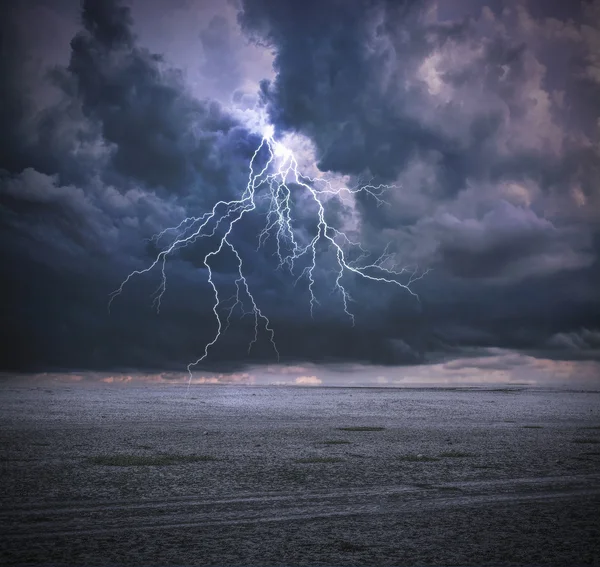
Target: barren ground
95 475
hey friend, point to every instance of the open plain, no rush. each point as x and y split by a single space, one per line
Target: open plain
219 475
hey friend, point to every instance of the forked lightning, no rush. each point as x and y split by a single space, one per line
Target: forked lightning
275 182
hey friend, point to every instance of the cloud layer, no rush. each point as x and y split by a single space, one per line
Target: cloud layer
485 119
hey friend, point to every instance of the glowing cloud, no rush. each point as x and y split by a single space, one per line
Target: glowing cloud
274 182
308 381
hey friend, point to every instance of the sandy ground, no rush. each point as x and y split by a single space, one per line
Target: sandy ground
268 476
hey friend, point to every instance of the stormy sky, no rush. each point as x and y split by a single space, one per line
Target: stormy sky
121 118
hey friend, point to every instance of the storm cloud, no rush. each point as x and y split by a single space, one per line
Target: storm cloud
483 119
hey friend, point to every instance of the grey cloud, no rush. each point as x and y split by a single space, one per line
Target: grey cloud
495 187
492 359
369 90
506 242
390 84
158 134
582 340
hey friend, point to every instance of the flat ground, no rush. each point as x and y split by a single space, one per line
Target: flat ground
298 476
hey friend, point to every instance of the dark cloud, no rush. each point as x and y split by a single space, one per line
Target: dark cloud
327 84
347 79
471 113
496 187
77 196
506 242
582 340
382 87
157 133
582 344
14 102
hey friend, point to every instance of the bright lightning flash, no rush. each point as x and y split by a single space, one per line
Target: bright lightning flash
277 178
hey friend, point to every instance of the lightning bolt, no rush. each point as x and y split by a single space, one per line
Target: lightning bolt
274 183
